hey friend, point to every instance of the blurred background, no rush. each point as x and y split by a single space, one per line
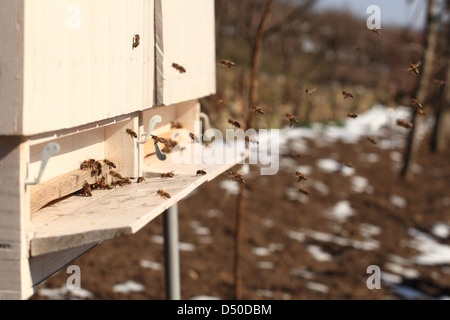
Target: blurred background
385 204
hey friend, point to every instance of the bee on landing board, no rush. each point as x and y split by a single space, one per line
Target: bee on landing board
110 164
227 63
352 115
347 94
234 123
292 120
179 68
167 175
136 40
200 172
131 133
176 125
140 180
163 194
194 138
414 68
257 110
86 190
115 175
372 140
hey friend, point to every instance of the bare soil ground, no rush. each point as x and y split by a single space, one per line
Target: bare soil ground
281 236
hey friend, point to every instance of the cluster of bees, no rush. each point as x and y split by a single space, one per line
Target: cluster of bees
97 169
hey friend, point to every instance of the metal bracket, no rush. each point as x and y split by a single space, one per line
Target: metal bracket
49 151
152 124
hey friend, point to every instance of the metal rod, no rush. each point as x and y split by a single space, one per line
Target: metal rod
171 253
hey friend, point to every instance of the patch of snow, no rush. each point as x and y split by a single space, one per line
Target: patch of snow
269 265
230 186
328 165
398 201
129 286
205 297
407 273
369 230
317 287
302 273
318 253
150 265
441 230
431 251
360 184
321 187
341 211
265 293
213 213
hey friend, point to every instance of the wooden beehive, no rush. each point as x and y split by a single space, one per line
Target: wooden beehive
71 73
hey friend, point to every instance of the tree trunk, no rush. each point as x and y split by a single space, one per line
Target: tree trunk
431 39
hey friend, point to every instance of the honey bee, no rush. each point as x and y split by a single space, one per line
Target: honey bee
300 176
292 120
356 47
372 140
234 123
348 164
201 172
86 190
169 146
140 180
103 185
376 31
303 191
194 138
163 194
414 67
236 177
257 109
220 101
167 175
179 68
352 115
176 125
87 164
404 124
125 180
347 94
131 133
309 91
296 154
115 175
136 40
108 163
227 63
416 103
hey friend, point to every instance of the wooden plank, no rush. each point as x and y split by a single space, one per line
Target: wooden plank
148 63
190 42
58 187
11 66
15 280
112 213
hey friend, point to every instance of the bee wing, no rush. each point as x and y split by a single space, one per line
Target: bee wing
418 63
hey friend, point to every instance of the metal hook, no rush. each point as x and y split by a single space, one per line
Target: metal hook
152 124
49 151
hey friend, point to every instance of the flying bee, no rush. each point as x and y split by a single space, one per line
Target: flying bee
108 163
201 172
404 124
416 103
236 177
300 176
176 125
234 123
227 63
131 133
257 109
356 47
296 154
347 94
348 164
309 91
292 120
163 194
303 191
414 67
376 31
167 175
115 175
136 40
140 180
179 68
86 190
352 115
372 140
194 138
